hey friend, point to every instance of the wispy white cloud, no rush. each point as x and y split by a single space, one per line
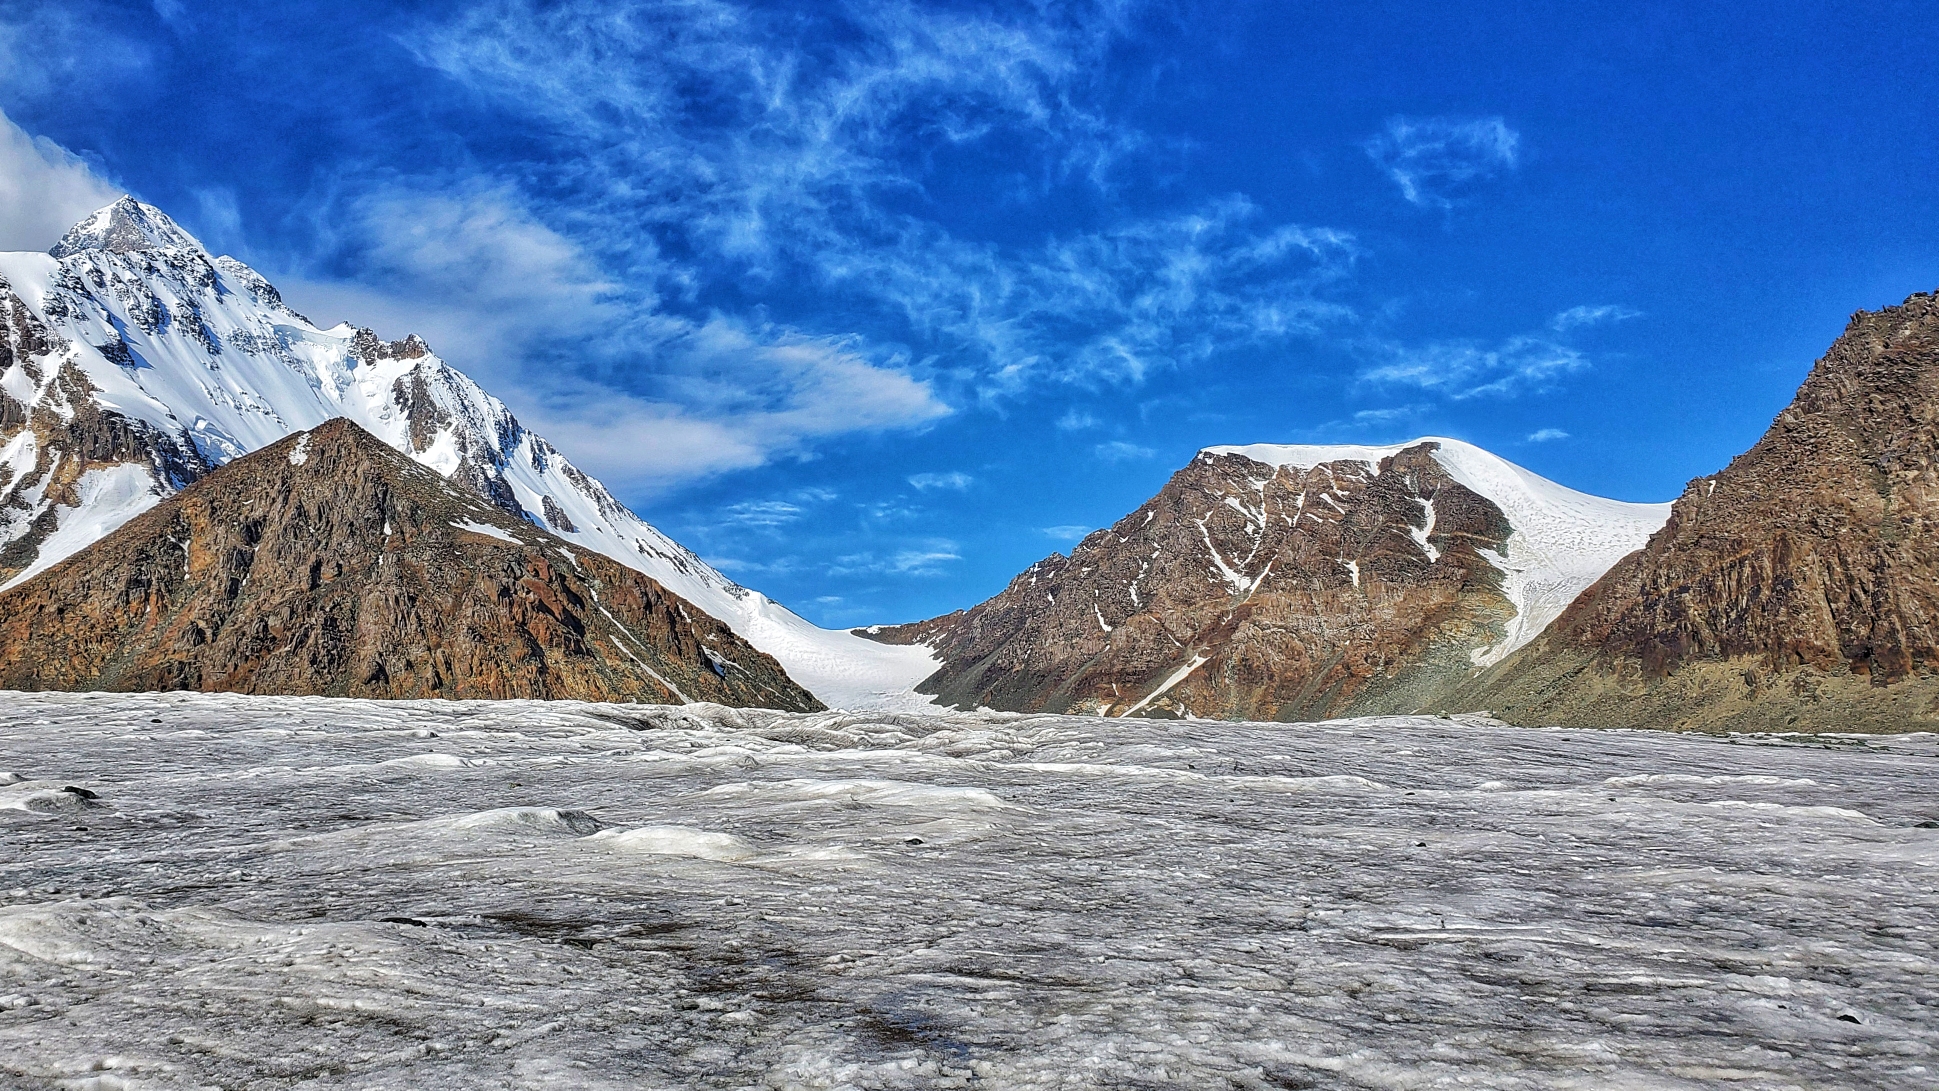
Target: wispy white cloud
1077 420
1116 305
1387 415
1118 450
1576 317
762 163
1463 369
923 562
648 397
749 185
808 390
1469 369
1072 533
44 189
1432 158
1547 435
1362 425
769 565
172 12
470 267
928 558
218 220
759 513
753 137
953 481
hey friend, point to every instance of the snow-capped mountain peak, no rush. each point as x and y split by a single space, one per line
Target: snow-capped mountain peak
125 226
1562 540
1280 581
132 362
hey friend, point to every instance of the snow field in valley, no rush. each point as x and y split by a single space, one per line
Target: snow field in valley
250 892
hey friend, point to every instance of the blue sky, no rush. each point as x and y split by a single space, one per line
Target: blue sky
873 304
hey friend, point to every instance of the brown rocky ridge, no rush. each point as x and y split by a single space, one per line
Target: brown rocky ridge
1796 589
1254 590
329 563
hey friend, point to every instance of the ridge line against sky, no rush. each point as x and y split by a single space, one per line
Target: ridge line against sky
869 302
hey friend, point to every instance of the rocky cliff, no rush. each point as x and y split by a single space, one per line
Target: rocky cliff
329 563
1285 582
1796 589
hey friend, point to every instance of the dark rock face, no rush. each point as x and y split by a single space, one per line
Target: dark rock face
1798 588
555 516
328 563
1244 590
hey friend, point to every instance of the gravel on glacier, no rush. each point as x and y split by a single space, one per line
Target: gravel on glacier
224 891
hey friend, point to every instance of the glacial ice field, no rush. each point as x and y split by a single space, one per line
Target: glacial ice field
237 892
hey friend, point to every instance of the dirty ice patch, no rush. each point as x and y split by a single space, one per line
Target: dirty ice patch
424 839
429 761
1777 810
676 841
46 933
540 820
42 798
1644 780
870 793
1182 927
1334 782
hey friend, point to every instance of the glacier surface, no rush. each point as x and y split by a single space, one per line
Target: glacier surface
226 891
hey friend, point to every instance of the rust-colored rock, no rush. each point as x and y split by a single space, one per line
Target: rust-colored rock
1245 590
1797 589
328 563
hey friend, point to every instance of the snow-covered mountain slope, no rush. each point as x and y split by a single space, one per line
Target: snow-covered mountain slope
132 362
1563 540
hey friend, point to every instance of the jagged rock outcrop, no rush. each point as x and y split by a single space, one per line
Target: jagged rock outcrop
1280 582
1796 589
329 563
122 228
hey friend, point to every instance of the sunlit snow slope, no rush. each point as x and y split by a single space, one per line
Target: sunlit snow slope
132 362
1563 541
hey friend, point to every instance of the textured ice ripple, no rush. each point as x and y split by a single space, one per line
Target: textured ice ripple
259 892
